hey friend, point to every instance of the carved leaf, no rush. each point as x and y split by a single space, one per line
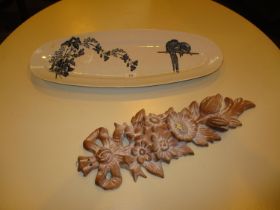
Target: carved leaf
170 110
217 123
167 156
233 122
200 141
128 159
228 103
138 118
236 107
129 132
194 109
154 168
211 105
185 112
205 135
136 171
182 149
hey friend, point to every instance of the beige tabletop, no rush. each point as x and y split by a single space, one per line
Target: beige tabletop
43 124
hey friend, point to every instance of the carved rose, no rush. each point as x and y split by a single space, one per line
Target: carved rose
104 155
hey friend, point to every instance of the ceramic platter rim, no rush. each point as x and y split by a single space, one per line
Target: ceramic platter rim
141 57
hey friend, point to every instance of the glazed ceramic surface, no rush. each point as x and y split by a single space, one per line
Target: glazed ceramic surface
126 58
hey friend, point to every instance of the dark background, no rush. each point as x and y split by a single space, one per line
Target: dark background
15 12
265 14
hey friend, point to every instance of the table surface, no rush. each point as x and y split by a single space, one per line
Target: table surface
43 124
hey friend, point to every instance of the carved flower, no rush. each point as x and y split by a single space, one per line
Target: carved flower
182 126
142 150
153 120
166 147
153 139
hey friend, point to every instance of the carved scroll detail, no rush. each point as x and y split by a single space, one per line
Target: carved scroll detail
152 139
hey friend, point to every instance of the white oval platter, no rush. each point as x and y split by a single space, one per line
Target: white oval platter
126 58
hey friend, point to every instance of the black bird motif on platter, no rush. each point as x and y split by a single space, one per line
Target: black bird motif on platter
174 47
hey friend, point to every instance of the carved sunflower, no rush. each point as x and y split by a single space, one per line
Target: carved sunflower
182 126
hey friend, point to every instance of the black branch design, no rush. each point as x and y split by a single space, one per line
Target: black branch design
63 60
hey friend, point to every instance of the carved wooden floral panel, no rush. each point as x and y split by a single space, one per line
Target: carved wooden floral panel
151 139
